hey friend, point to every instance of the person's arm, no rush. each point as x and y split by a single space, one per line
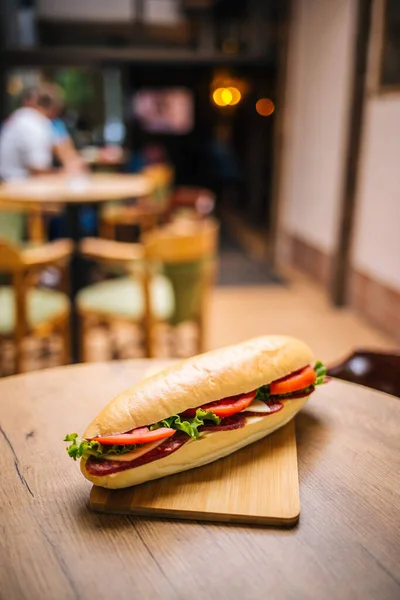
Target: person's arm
64 149
67 155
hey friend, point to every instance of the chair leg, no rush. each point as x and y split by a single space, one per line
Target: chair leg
107 230
67 341
103 228
81 338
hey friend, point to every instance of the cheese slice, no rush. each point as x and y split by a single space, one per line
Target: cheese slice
135 453
258 406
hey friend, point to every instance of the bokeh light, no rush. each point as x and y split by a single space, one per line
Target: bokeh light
236 96
265 107
217 97
226 96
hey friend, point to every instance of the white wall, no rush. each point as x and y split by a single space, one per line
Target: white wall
319 79
376 247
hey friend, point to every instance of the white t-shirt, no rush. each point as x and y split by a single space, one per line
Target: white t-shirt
26 140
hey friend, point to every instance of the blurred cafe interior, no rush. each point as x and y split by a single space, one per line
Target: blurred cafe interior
177 175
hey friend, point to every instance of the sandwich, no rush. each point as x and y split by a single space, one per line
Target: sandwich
197 411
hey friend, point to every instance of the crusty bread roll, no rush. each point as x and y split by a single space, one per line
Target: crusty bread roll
194 382
201 379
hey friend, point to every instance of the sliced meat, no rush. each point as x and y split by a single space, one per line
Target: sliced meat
233 422
100 467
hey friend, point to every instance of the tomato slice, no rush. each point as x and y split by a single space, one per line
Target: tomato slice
294 382
225 407
141 435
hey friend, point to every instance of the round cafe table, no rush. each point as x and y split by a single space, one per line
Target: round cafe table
73 192
346 545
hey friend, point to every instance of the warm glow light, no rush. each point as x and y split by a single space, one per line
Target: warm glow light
226 96
236 96
217 97
265 107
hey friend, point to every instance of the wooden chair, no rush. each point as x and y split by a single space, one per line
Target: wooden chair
28 311
18 222
14 220
167 289
200 201
143 215
377 370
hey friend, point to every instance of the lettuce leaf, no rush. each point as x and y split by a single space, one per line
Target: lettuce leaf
320 370
79 448
189 425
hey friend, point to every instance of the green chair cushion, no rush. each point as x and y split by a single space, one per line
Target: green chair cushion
123 297
12 226
42 305
187 280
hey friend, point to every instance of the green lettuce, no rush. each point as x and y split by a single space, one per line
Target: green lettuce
189 425
79 448
320 370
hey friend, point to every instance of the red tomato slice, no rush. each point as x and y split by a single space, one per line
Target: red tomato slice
293 382
225 407
142 435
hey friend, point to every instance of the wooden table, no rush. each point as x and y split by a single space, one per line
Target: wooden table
88 188
73 192
347 545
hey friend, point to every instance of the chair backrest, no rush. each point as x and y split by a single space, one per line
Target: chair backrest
10 258
183 241
200 200
377 370
11 264
187 252
16 222
163 177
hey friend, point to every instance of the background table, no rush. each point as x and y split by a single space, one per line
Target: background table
347 545
58 188
73 192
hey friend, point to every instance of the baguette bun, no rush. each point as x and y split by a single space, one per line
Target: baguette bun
195 453
199 380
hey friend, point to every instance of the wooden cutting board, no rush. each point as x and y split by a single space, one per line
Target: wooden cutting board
256 485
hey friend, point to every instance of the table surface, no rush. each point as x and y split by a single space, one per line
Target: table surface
347 544
93 187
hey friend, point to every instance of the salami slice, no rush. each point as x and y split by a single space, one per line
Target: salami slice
99 467
234 422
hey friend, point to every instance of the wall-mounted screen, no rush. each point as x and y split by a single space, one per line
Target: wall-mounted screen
164 110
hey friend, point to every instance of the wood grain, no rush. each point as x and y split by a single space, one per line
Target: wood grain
257 485
346 546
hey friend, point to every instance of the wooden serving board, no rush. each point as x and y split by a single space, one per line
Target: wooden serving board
256 485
